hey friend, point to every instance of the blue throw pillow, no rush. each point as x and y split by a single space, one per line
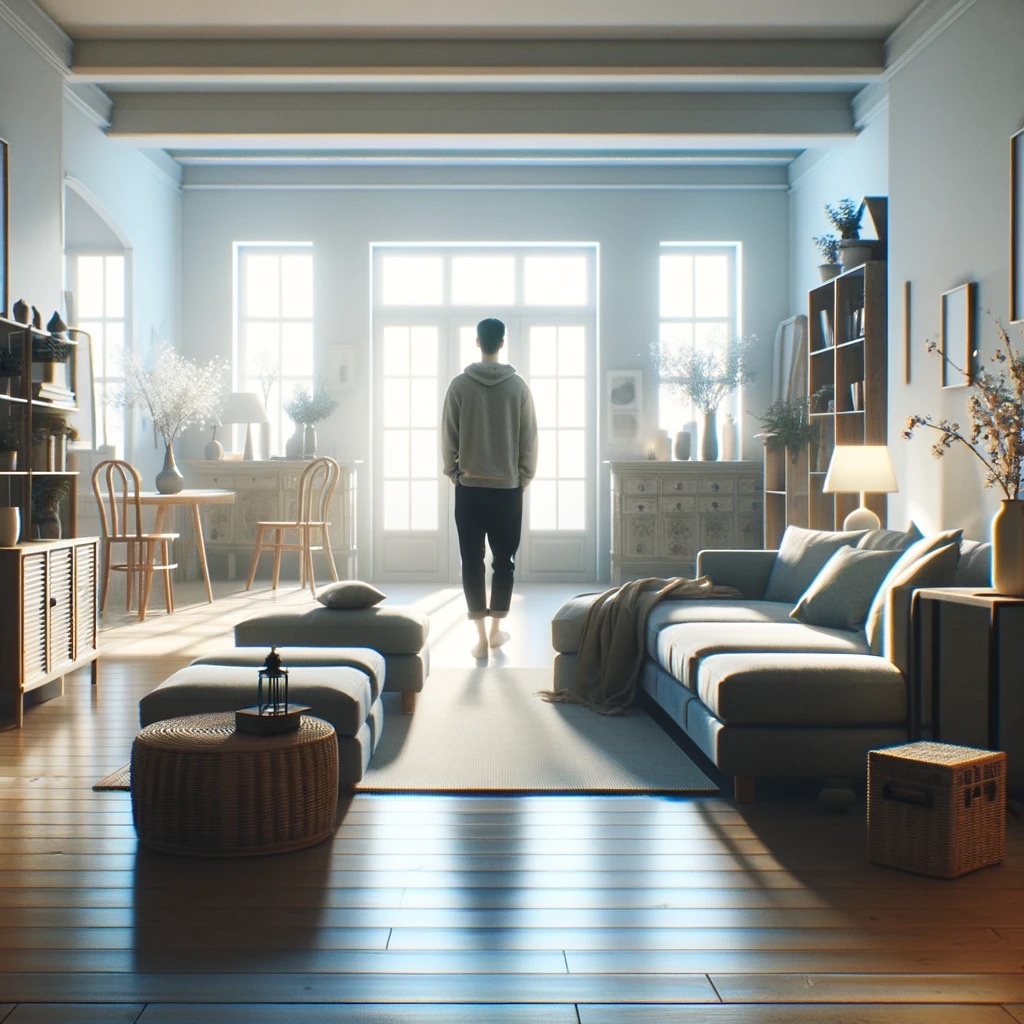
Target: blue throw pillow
840 595
801 555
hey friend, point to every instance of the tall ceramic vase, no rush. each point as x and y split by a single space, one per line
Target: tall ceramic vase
169 480
309 442
10 526
1008 549
709 439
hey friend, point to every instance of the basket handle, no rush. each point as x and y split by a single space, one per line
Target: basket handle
908 795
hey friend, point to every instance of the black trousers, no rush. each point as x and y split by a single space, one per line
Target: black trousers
496 515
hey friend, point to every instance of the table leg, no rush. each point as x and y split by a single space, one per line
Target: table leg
197 522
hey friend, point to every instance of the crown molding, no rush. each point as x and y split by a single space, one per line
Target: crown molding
40 31
91 102
925 24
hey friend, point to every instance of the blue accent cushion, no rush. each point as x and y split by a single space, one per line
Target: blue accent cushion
801 555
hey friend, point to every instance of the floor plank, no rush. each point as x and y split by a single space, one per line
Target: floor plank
818 1014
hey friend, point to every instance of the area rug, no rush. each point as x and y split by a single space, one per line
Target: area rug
116 781
486 730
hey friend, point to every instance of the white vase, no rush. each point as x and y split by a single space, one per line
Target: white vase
10 526
728 438
1008 549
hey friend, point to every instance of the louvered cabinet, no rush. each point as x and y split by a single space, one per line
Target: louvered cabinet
50 625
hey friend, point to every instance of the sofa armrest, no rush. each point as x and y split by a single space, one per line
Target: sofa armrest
745 569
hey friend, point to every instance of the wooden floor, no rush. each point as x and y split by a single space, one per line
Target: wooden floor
441 909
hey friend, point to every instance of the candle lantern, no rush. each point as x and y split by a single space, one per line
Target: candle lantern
274 714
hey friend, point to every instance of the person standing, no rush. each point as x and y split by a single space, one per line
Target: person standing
489 451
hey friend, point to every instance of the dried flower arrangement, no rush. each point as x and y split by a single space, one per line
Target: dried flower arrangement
706 377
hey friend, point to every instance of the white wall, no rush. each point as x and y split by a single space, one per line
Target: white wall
952 110
627 224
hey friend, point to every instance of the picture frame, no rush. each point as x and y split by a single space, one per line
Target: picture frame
342 375
624 409
956 340
5 230
1017 227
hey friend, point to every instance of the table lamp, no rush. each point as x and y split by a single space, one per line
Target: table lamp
863 469
245 407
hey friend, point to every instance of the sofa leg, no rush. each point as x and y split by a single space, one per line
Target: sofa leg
408 702
743 789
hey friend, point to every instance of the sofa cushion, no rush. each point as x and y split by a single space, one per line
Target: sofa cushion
670 613
890 540
680 649
801 555
350 594
840 595
567 623
874 625
801 689
975 567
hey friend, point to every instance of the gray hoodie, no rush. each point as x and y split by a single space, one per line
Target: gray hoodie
489 428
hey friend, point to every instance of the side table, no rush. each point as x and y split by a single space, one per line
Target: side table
200 788
998 623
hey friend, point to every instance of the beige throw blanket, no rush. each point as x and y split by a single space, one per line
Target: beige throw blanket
612 646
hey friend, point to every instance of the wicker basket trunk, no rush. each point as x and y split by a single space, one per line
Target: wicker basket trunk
936 809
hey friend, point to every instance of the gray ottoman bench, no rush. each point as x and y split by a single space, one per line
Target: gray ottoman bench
398 632
341 686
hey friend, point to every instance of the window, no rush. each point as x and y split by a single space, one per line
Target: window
699 308
274 326
97 281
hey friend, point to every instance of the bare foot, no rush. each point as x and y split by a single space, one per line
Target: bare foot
479 649
498 637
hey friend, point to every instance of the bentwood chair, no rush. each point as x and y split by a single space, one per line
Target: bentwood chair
117 485
310 530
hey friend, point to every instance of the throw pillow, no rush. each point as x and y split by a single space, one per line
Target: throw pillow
915 553
840 595
348 594
801 555
890 540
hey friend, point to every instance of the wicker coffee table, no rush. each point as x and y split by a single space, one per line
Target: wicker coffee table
200 788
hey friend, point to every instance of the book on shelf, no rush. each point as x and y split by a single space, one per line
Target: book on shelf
826 328
45 391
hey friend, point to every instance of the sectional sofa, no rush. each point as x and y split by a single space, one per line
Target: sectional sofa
808 669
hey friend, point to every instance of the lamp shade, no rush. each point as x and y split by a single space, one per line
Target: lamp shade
864 469
245 407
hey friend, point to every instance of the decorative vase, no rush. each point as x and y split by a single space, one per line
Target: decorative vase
309 440
169 480
855 251
47 523
683 443
20 312
294 445
829 270
709 439
10 526
213 451
1008 549
9 460
728 438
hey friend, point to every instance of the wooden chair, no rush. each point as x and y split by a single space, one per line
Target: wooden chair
117 485
311 526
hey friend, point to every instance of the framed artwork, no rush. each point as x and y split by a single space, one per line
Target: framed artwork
789 359
1017 227
623 402
342 376
5 230
956 343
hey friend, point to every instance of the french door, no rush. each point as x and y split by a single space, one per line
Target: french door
416 354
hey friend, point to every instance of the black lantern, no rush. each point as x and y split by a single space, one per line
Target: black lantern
275 714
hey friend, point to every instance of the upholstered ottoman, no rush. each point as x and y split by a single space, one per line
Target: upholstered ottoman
398 632
341 687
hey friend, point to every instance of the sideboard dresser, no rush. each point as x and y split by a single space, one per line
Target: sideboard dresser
663 513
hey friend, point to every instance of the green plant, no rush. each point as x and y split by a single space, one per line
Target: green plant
10 434
310 408
845 217
10 363
706 376
828 247
787 423
48 492
996 409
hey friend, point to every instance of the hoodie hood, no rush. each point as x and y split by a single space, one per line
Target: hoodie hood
490 373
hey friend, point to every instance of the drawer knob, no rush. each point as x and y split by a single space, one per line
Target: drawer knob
715 487
641 488
679 485
714 504
53 602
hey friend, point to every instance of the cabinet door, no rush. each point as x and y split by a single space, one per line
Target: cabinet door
85 600
61 605
716 531
639 536
679 537
33 617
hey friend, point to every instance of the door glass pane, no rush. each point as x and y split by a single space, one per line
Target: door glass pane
396 505
572 351
711 286
543 497
90 291
396 454
425 454
676 286
423 408
262 288
545 401
572 410
396 403
571 507
483 280
396 352
424 505
555 280
570 454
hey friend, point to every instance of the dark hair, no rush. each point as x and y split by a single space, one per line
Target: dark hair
491 333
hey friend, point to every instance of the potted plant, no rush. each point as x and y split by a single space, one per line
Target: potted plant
47 494
845 216
307 408
176 393
10 442
786 422
828 249
10 371
706 377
